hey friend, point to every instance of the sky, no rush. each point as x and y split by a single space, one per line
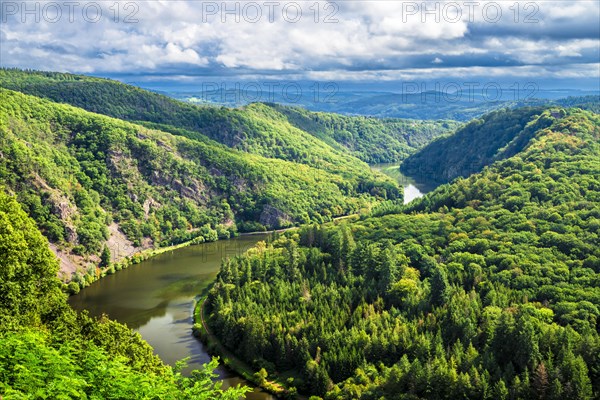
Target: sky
346 41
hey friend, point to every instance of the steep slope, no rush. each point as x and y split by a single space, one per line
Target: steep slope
47 351
372 140
268 130
495 136
488 288
255 129
76 172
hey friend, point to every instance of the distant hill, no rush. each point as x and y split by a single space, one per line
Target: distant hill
398 102
495 136
372 140
436 105
267 130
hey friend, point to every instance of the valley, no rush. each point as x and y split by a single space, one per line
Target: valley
322 200
469 267
104 184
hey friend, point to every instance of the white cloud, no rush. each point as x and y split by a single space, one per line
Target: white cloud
369 37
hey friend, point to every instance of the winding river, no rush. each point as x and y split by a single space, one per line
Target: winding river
413 188
156 297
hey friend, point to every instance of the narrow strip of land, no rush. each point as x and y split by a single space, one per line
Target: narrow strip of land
230 359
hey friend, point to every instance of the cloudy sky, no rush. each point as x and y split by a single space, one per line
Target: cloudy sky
341 40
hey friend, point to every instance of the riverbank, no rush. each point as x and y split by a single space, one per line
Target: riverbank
91 275
202 331
157 297
227 358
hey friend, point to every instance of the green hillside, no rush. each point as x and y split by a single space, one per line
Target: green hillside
488 288
269 130
373 140
495 136
47 351
76 173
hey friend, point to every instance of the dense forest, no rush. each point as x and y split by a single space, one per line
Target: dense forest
495 136
487 288
373 140
264 129
47 351
85 177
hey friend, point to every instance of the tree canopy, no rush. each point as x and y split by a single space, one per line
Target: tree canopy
487 288
49 351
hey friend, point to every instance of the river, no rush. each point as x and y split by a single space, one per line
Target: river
413 188
156 298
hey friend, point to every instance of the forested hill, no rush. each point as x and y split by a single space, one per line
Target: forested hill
488 288
372 140
258 128
47 351
463 105
87 178
495 136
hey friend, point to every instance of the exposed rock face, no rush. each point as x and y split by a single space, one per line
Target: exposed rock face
157 179
149 204
119 245
194 189
240 184
61 207
64 209
69 262
274 218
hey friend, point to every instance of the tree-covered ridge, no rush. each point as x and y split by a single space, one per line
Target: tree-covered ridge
463 105
47 351
559 166
76 172
268 130
373 140
495 136
489 288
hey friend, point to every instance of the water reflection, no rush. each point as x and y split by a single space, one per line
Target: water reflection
156 298
413 187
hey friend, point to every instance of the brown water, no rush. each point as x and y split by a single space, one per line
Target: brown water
156 298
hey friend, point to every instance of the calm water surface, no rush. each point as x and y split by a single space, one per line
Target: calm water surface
156 298
413 187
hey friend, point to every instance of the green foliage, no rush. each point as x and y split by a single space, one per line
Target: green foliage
373 140
105 258
495 136
29 290
487 288
273 131
32 366
76 172
47 351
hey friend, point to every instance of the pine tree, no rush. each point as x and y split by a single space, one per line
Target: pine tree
105 257
540 381
500 391
440 289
